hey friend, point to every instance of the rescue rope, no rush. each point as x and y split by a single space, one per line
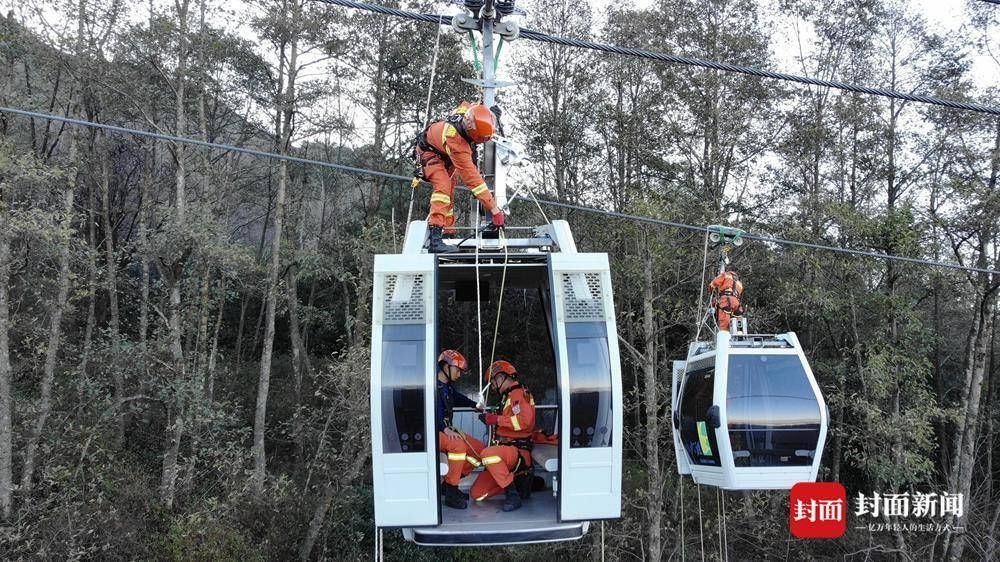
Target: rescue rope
701 289
602 540
479 309
718 513
427 110
537 204
725 529
503 282
701 525
680 492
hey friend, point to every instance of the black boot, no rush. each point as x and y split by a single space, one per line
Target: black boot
513 500
453 497
523 483
437 245
463 495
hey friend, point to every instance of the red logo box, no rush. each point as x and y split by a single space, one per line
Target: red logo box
817 510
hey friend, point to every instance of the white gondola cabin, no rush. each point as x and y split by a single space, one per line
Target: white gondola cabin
747 413
568 358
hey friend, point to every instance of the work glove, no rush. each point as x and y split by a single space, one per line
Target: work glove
498 219
489 419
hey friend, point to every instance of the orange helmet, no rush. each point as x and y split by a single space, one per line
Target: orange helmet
479 123
453 358
503 367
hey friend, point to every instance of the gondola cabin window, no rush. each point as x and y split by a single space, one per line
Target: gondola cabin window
591 421
697 433
403 389
773 415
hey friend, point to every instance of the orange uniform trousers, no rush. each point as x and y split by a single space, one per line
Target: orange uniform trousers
443 179
463 456
727 307
499 462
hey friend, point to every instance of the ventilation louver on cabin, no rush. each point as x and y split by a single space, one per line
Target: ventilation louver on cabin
583 297
404 299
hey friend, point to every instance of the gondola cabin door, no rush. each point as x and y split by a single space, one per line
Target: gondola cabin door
404 444
590 440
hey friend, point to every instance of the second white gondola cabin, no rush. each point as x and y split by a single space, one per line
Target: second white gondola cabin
747 413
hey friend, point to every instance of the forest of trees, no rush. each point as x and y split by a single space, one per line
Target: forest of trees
184 332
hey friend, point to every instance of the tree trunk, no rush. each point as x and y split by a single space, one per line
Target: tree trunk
145 194
175 427
976 362
111 286
6 429
652 461
970 422
214 353
286 111
55 338
173 271
298 358
88 332
318 518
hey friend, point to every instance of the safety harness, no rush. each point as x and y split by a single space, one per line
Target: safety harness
524 443
421 142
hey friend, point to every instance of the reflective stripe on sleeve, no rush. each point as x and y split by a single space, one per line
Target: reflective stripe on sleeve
492 459
472 461
479 189
440 198
456 456
515 423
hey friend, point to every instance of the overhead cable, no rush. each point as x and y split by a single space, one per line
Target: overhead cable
196 142
571 206
679 59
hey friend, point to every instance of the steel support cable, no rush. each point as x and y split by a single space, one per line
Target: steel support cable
571 206
685 60
204 144
759 72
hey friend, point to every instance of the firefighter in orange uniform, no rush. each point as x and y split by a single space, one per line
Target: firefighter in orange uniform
463 450
510 453
727 298
447 147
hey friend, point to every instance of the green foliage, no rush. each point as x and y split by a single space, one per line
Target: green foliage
202 537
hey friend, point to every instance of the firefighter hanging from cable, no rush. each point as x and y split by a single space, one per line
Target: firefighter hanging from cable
727 298
508 460
463 451
446 149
